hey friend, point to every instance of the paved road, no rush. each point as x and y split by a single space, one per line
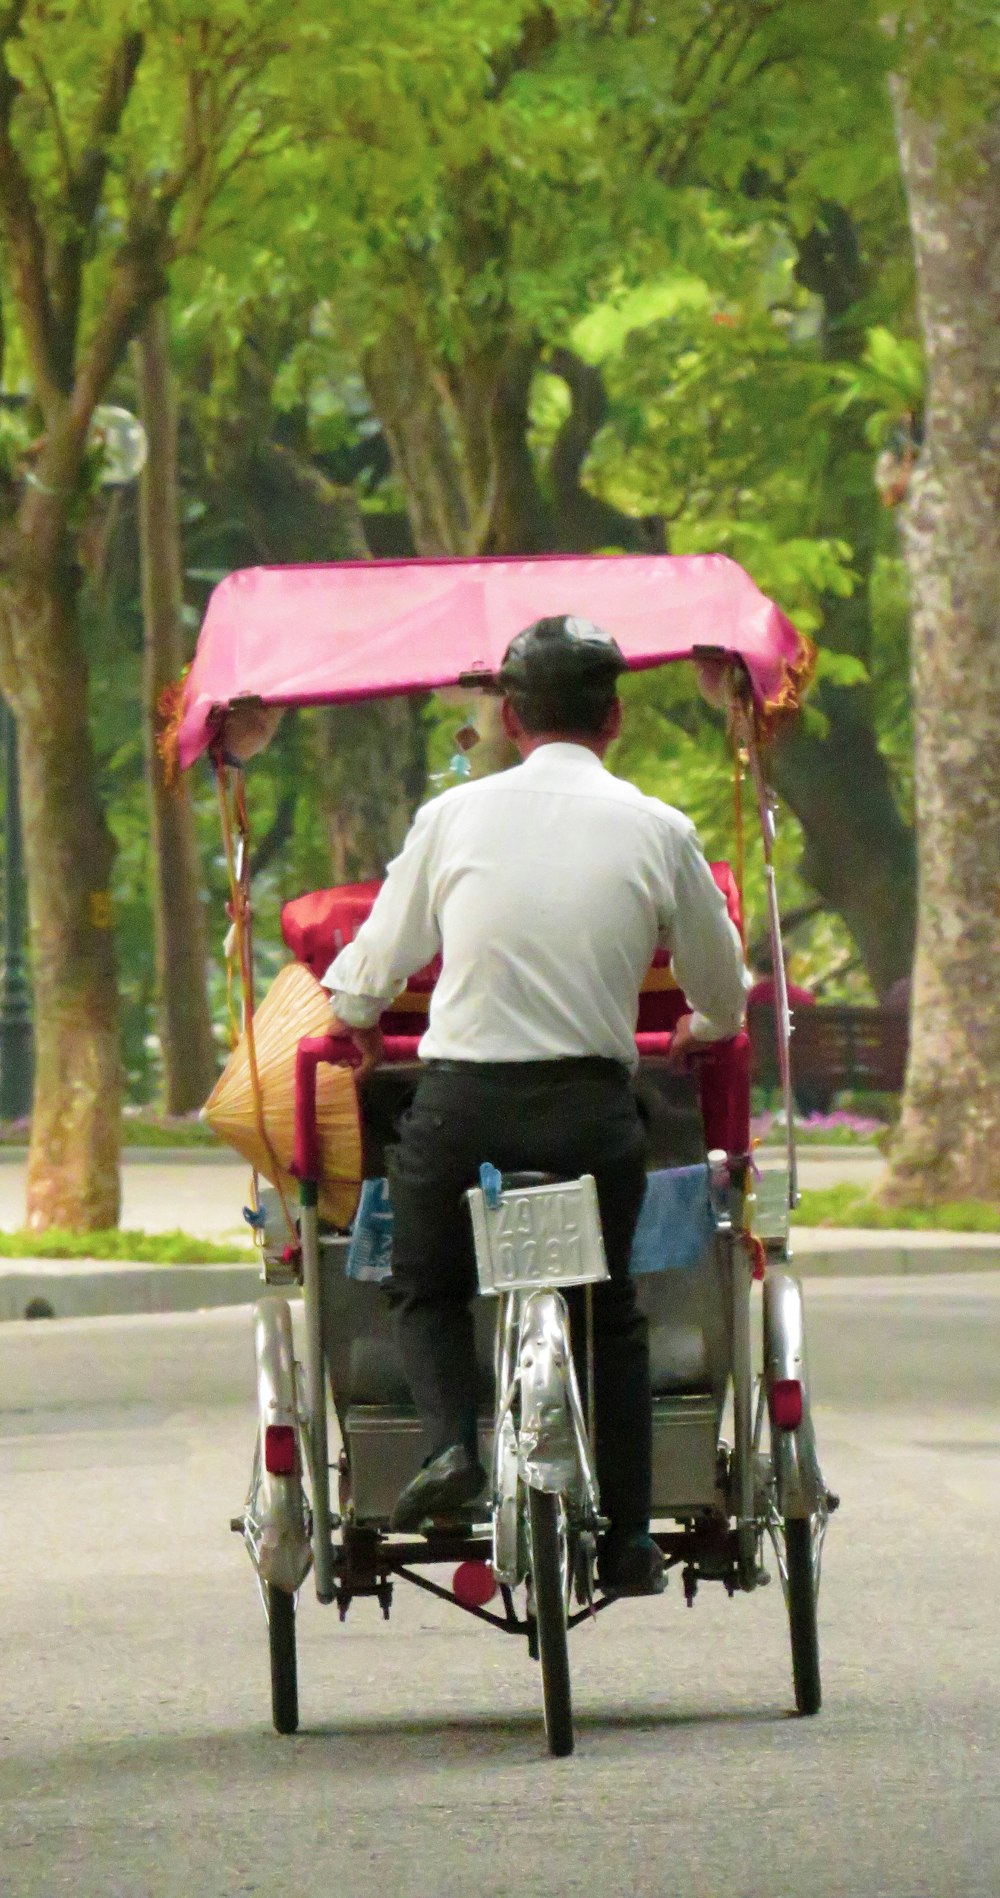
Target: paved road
136 1758
204 1195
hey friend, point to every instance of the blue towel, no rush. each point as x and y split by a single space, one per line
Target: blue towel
676 1224
369 1253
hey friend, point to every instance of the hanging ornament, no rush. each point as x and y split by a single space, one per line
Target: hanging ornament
459 766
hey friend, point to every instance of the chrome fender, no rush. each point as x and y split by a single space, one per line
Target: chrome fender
800 1491
506 1525
547 1445
284 1554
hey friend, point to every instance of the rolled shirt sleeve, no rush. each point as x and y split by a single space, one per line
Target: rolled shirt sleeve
705 948
399 936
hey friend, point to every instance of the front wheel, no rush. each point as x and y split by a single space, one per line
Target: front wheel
547 1569
801 1595
284 1663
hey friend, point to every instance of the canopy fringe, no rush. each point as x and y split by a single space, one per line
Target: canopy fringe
798 674
169 717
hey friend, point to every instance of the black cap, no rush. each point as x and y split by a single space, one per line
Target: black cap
562 652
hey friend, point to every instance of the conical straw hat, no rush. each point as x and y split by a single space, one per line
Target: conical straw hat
295 1005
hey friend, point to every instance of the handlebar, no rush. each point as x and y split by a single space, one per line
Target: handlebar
316 1051
312 1051
651 1044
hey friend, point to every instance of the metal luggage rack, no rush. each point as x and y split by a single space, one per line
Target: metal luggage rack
771 1216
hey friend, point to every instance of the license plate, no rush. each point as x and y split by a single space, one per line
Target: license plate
538 1236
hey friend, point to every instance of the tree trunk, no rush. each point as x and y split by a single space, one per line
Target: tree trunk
413 408
76 1125
372 762
181 939
948 1145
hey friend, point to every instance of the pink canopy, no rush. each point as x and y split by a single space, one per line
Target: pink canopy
374 628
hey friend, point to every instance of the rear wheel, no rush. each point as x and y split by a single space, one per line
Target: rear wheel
801 1595
547 1568
284 1663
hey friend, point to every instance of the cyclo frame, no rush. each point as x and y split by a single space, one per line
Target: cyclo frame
532 1241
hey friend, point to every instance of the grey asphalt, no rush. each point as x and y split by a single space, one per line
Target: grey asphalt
137 1757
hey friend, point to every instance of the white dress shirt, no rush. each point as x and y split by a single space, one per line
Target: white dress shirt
547 888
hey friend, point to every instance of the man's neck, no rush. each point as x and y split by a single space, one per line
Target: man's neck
533 741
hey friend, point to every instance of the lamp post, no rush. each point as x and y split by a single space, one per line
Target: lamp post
16 1054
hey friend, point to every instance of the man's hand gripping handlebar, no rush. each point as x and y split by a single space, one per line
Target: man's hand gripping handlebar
334 1050
344 1050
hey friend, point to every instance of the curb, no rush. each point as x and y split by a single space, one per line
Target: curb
90 1288
858 1252
93 1288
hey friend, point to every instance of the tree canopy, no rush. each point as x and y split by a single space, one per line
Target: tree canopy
582 274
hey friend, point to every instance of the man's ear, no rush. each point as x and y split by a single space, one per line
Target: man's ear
613 723
513 728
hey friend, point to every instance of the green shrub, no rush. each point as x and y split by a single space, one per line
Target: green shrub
142 1248
852 1206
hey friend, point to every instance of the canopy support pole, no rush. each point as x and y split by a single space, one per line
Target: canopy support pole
782 1014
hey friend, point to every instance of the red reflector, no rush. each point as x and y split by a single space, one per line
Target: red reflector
786 1403
280 1455
473 1584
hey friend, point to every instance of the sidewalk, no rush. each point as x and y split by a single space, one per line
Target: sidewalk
87 1288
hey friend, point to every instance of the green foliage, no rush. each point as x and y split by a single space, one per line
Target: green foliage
139 1130
889 380
168 1132
15 437
632 183
825 1136
851 1206
948 54
134 1248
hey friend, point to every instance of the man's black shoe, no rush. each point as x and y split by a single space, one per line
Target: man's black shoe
630 1564
447 1482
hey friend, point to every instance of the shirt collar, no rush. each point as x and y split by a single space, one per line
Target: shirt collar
562 752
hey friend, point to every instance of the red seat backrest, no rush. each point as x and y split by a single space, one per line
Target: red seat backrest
318 925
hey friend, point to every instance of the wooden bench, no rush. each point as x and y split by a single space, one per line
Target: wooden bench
835 1046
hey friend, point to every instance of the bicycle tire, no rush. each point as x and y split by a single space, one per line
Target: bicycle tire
284 1660
802 1621
550 1613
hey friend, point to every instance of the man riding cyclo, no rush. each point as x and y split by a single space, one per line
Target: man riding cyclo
546 889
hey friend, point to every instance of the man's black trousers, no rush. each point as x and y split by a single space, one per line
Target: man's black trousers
565 1117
